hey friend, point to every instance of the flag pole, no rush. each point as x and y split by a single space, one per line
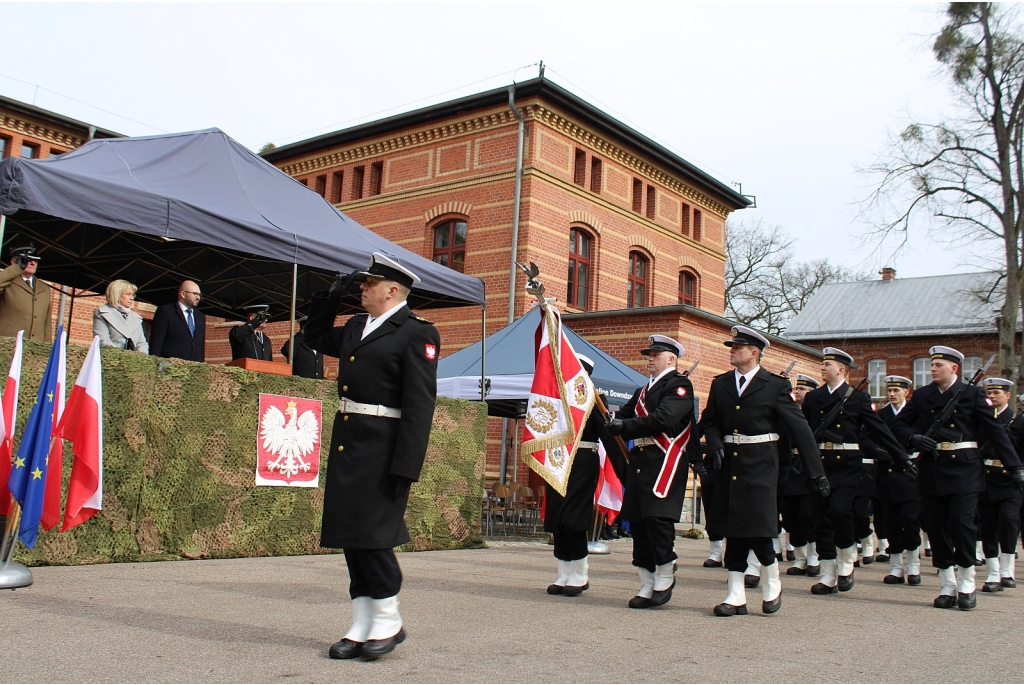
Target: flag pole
12 574
11 525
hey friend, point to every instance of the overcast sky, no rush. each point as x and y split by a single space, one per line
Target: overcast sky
786 99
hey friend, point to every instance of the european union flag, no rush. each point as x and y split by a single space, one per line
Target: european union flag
28 473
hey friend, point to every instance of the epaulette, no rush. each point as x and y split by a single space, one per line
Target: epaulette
413 315
779 375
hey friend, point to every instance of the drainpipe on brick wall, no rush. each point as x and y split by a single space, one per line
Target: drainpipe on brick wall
515 251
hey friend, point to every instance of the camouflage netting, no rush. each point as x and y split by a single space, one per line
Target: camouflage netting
179 466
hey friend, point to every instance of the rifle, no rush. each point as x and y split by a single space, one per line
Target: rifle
834 414
936 428
789 369
691 369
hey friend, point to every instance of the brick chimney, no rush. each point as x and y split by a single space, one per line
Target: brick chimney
888 273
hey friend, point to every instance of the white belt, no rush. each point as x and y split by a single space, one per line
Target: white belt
587 445
350 407
947 446
994 462
644 442
838 446
738 439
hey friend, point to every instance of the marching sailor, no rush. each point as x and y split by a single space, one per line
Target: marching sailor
952 471
569 518
659 418
798 495
387 382
843 463
999 505
745 410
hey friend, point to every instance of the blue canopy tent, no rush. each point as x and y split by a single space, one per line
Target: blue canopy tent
510 364
156 210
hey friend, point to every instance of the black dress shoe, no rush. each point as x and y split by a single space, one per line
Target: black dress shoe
660 597
772 606
778 556
928 553
979 562
711 563
796 571
845 583
813 571
790 555
345 649
751 581
724 609
639 602
992 587
868 560
944 602
555 589
894 580
882 558
856 564
1008 582
374 649
965 601
914 579
575 590
822 589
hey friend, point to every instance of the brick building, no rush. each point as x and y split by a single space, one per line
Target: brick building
889 324
629 237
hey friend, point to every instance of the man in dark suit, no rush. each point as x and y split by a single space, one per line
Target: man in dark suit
387 382
953 470
659 418
746 409
250 341
308 363
835 530
179 329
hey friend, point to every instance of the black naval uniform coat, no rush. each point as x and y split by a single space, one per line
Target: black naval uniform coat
575 511
892 484
308 363
845 468
746 494
952 472
998 486
245 344
669 404
394 366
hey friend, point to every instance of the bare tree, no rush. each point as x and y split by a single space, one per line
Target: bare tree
966 175
764 286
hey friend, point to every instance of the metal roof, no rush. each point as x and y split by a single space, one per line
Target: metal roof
55 118
934 305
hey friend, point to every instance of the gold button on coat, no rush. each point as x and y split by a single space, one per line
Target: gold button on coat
351 359
341 448
737 407
345 418
734 477
344 388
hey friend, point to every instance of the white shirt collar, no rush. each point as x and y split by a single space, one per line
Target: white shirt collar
897 410
184 307
955 379
749 375
831 389
373 324
655 379
1003 409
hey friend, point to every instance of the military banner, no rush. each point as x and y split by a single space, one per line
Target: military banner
288 441
560 401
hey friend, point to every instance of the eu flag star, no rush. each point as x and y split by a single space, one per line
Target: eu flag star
19 463
49 397
37 474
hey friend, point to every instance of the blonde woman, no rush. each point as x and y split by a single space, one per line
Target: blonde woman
117 324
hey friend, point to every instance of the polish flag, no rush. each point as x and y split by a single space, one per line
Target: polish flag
608 496
82 425
8 417
50 516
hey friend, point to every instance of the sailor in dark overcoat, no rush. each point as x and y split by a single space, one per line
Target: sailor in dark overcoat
999 505
953 471
387 382
844 465
897 494
659 418
745 409
570 518
798 497
308 363
249 340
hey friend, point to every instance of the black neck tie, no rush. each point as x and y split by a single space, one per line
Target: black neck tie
743 379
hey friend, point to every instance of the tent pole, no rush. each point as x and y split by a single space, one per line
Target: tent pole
3 225
291 329
71 313
483 350
504 451
62 306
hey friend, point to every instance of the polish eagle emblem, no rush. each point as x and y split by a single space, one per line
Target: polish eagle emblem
289 437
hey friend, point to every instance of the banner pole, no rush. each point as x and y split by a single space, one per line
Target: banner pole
291 338
7 552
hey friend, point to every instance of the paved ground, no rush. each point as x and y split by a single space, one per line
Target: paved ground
483 615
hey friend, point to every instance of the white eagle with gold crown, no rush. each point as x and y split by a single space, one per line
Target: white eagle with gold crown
290 439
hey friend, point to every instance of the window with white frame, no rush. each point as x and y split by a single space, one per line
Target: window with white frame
922 372
876 378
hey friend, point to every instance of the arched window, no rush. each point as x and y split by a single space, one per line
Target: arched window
922 372
688 288
876 378
578 286
450 244
639 274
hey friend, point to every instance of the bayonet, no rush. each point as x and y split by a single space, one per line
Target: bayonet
789 369
691 369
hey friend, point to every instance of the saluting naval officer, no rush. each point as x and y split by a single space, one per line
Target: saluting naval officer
952 471
659 418
844 465
387 382
798 497
745 411
249 340
999 505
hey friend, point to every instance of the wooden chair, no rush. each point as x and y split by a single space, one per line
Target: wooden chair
501 506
